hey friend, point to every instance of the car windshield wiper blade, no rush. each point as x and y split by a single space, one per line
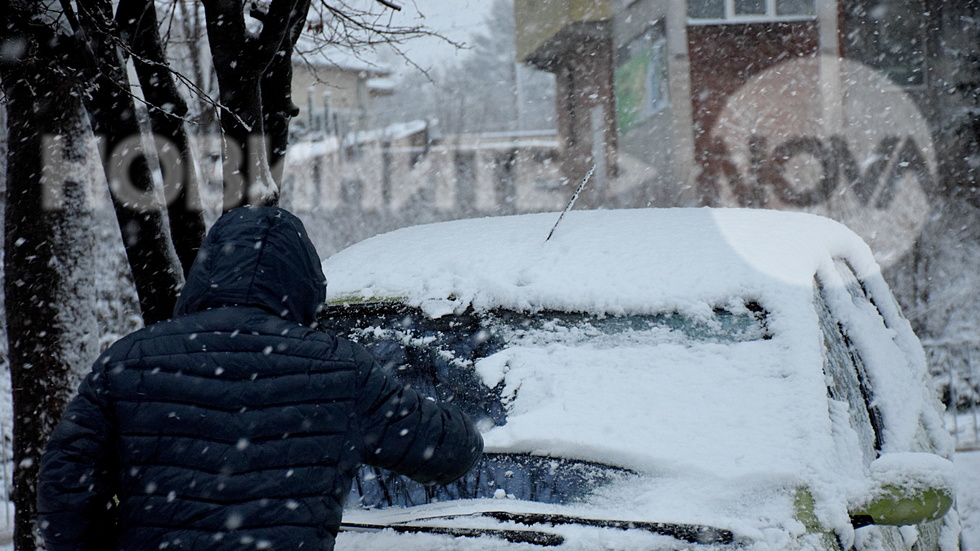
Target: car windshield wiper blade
533 537
691 533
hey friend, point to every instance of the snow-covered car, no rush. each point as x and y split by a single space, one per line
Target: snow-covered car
651 379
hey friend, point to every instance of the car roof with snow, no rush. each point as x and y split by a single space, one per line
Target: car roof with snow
611 261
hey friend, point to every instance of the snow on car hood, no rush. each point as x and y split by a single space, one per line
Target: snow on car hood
706 426
730 409
646 260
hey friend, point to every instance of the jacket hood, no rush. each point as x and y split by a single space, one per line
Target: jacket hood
256 256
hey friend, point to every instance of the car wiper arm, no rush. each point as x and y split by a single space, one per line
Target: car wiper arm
691 533
533 537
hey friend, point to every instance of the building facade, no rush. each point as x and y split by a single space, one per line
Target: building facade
748 102
335 89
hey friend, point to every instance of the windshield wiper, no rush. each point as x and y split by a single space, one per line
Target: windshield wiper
691 533
533 537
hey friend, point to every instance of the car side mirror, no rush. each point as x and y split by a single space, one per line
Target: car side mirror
906 489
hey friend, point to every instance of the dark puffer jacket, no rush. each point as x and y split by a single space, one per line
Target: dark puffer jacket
235 425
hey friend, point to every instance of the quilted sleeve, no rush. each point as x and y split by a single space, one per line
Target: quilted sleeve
430 442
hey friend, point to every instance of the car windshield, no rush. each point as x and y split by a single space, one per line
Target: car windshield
436 356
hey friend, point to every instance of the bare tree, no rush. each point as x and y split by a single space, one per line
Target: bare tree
138 26
65 80
48 282
484 90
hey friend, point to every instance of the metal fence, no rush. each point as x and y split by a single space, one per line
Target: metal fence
955 369
6 486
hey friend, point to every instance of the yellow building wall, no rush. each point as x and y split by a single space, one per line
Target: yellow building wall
538 21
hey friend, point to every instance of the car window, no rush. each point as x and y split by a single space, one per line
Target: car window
889 312
746 322
860 294
854 287
496 475
865 300
847 379
862 299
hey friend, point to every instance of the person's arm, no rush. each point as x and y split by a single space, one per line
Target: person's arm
76 487
430 442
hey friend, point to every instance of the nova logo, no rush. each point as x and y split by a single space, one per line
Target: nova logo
773 171
826 136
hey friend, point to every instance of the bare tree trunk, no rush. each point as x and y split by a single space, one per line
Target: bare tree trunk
278 110
50 297
242 61
277 97
137 21
142 219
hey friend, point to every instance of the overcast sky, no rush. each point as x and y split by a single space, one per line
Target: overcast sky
455 19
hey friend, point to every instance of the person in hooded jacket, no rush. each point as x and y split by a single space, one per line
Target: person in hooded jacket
236 424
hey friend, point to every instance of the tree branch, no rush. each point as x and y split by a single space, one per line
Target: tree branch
227 34
277 25
137 21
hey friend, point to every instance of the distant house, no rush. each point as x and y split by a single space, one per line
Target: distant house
334 89
573 39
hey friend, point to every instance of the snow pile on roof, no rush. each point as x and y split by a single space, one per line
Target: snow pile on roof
381 86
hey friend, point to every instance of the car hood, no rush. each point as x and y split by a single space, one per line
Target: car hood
746 408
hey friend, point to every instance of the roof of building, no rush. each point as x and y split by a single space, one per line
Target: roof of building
321 53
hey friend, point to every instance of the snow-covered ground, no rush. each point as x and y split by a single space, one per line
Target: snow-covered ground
968 496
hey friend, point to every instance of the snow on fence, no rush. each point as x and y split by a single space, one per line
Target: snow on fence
955 368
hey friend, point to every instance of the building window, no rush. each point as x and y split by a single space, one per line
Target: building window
641 79
749 11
